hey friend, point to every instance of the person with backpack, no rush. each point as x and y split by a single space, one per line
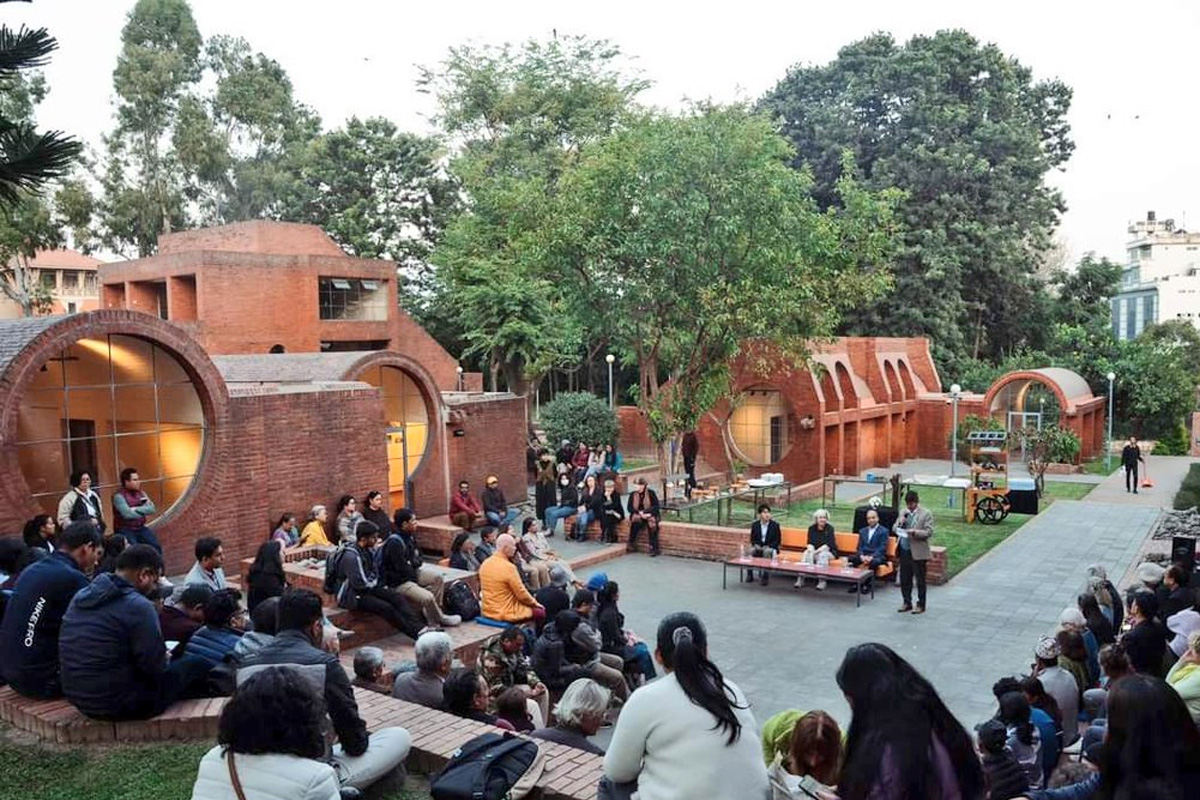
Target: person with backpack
350 575
402 570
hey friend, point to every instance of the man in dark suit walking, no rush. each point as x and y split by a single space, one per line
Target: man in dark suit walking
1131 454
872 549
764 539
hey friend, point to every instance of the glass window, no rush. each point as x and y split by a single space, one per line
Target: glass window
760 428
97 406
406 425
352 299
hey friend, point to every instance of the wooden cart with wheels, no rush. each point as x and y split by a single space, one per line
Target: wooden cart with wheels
987 498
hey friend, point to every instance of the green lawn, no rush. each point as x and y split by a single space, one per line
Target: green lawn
1096 466
146 772
964 542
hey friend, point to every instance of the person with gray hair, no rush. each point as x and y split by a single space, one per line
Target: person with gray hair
579 714
822 546
370 671
434 654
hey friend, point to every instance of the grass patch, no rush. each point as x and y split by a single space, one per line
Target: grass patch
965 542
1096 466
632 463
1189 490
112 772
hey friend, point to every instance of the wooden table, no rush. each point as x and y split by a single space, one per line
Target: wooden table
855 575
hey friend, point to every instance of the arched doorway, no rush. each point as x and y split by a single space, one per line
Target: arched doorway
407 430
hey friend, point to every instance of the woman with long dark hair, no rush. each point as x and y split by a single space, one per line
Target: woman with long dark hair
1097 622
1024 741
39 532
348 517
1151 749
270 736
266 577
462 553
689 734
613 638
903 744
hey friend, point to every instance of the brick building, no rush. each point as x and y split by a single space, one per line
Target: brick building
245 371
68 276
871 402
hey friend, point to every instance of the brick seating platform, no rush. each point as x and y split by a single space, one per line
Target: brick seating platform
60 722
467 639
570 774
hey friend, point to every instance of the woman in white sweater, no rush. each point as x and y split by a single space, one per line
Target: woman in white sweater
689 734
271 732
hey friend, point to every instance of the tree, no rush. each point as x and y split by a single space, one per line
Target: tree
1049 445
694 238
28 158
26 227
969 136
579 417
1158 375
519 118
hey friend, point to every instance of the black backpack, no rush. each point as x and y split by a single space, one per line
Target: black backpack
461 600
332 563
492 766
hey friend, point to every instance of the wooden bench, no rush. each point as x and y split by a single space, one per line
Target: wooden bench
60 722
569 774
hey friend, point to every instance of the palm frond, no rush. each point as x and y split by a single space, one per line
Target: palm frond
29 159
25 48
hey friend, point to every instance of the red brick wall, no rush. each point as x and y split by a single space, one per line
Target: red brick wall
635 436
254 236
493 443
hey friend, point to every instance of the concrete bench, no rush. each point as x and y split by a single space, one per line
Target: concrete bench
570 774
60 722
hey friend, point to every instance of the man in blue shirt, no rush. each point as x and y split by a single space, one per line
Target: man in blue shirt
33 618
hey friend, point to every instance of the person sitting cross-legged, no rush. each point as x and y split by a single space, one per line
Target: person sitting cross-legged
505 597
765 537
224 621
587 649
434 654
359 588
271 737
552 651
402 570
872 549
359 758
578 715
34 613
111 649
822 546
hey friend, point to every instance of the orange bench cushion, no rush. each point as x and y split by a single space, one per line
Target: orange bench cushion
793 538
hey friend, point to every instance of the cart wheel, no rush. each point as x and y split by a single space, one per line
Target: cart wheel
990 510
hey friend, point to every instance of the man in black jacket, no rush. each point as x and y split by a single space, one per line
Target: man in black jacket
359 588
765 537
111 651
33 618
360 758
402 570
1131 454
644 514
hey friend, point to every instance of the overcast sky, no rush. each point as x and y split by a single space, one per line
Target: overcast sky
1134 72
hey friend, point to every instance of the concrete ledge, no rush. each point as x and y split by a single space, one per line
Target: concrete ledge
60 722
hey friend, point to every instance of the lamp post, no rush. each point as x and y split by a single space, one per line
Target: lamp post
458 382
955 391
610 358
1041 412
1108 444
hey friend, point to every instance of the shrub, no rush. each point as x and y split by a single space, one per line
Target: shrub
580 417
1176 443
1188 495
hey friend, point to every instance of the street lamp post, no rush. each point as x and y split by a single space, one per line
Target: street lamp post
610 358
458 383
955 391
1108 444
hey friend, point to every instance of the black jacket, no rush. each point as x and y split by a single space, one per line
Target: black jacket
111 650
611 623
568 495
294 647
593 501
550 660
816 538
554 599
381 520
1005 778
1145 645
1130 455
493 500
401 560
1177 600
612 504
32 620
772 539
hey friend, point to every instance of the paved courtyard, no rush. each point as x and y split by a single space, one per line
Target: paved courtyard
783 645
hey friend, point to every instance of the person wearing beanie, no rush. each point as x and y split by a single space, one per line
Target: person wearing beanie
1005 778
505 598
1059 684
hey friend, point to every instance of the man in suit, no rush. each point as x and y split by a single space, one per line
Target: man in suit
872 549
1131 454
914 529
764 539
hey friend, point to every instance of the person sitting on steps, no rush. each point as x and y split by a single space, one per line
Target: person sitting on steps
822 546
358 584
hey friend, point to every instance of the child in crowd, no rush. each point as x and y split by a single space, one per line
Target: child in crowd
1005 778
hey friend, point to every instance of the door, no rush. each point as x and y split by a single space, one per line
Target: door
397 456
1023 421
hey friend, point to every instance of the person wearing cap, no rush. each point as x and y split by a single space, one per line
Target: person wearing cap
644 514
34 614
505 597
112 654
495 506
1059 684
1005 778
554 597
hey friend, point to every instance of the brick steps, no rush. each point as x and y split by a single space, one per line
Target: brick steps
467 640
60 722
570 774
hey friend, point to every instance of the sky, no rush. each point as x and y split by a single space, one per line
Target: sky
1133 70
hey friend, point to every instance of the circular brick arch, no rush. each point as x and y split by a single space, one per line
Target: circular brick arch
56 336
1066 404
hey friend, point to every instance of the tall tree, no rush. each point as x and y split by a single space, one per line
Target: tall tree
695 237
26 227
519 118
969 135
